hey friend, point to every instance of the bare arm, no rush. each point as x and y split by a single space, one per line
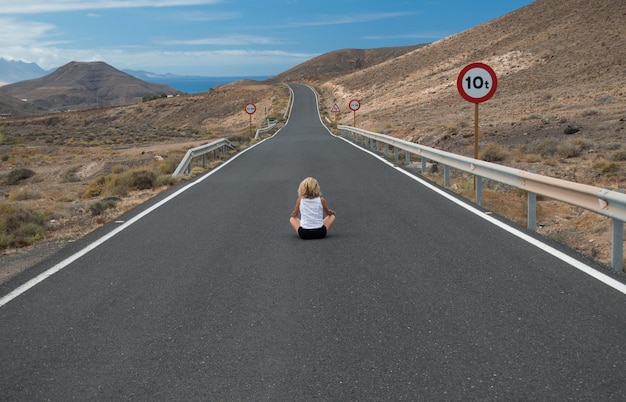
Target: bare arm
327 210
296 210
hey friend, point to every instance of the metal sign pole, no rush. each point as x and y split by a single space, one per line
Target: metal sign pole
475 130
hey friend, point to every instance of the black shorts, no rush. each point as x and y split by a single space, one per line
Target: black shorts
307 234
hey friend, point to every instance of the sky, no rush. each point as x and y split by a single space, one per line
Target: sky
225 37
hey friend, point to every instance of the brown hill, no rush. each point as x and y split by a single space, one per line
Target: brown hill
11 106
341 62
79 85
560 64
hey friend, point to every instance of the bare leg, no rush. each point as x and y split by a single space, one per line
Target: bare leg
295 223
328 221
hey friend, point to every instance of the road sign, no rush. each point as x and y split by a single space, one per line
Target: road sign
250 108
477 82
354 105
335 108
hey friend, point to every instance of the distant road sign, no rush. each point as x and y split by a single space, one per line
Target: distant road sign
354 105
250 108
477 82
335 108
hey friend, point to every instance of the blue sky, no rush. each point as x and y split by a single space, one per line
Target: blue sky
225 37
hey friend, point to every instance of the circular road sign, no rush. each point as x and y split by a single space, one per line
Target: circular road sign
250 108
354 105
477 82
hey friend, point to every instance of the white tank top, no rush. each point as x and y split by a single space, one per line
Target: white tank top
311 213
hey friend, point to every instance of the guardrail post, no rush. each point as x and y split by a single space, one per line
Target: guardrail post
531 220
407 158
203 160
617 252
396 156
446 176
617 244
479 190
423 164
386 146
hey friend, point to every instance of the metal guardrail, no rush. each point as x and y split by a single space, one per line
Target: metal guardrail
215 146
264 130
602 201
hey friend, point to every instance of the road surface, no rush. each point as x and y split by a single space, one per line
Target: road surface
208 294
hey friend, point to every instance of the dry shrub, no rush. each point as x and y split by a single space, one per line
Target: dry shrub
168 165
19 226
165 180
23 195
605 167
16 176
493 153
120 184
571 148
545 148
98 207
619 156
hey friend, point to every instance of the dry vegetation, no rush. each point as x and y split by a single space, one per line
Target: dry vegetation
560 110
63 175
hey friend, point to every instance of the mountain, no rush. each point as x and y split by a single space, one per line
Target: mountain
14 71
79 85
560 64
341 62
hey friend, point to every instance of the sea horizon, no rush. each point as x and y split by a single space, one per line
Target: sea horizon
197 84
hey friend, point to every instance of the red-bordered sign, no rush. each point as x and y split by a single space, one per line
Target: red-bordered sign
477 82
354 105
250 108
335 108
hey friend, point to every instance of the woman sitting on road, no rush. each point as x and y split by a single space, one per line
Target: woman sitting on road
311 207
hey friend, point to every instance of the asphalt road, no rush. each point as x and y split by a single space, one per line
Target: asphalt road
212 296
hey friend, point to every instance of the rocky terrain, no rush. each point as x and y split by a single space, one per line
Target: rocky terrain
560 110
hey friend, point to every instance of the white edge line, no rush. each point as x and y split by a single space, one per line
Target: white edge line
615 284
56 268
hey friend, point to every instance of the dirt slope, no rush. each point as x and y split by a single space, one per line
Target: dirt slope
559 64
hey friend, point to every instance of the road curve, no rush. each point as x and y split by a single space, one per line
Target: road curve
209 295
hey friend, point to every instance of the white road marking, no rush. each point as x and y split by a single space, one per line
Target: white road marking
617 285
51 271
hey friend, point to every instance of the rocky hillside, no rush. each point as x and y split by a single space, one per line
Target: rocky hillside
561 69
341 62
14 107
84 86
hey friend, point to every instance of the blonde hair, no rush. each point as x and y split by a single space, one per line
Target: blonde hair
309 188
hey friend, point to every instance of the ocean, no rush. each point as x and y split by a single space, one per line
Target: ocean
193 84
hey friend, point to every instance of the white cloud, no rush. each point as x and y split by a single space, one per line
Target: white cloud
416 35
14 32
206 16
352 19
223 62
43 6
232 40
232 62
